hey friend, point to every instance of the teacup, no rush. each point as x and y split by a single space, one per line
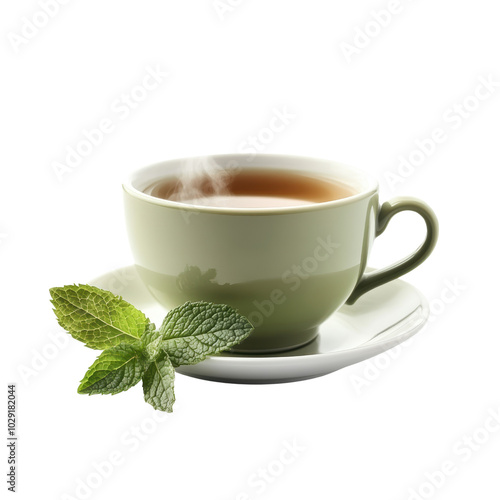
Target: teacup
285 268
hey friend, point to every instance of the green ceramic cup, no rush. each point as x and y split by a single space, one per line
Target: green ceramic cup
286 269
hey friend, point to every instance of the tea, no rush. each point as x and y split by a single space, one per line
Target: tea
251 188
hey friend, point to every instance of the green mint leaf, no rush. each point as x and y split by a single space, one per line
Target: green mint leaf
158 384
150 335
151 343
115 370
97 317
153 349
196 330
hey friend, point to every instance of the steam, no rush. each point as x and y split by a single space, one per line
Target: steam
201 182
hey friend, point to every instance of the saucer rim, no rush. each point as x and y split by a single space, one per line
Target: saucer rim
369 344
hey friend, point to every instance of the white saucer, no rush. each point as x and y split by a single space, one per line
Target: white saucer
379 320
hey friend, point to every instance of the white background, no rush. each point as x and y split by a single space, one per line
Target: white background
375 430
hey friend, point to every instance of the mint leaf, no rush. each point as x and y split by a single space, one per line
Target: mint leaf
115 370
150 335
196 330
151 343
158 384
97 317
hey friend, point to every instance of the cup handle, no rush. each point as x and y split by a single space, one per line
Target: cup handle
387 211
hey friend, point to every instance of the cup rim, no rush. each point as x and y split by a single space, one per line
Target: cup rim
370 187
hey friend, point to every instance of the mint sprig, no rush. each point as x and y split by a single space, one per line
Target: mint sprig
134 349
